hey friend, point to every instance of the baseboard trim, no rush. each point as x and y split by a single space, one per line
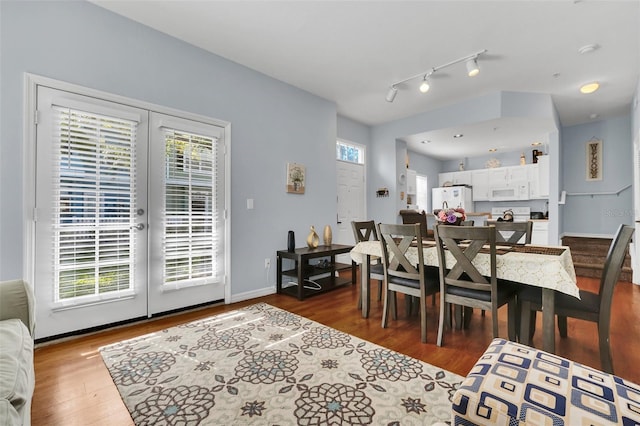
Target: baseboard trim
240 297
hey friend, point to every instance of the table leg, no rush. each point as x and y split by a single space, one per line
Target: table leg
548 320
365 275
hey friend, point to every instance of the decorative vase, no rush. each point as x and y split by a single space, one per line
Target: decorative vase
291 242
327 235
312 238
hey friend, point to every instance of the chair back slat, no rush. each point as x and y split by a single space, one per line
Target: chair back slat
364 231
517 230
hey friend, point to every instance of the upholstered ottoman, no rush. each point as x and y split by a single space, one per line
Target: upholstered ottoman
514 384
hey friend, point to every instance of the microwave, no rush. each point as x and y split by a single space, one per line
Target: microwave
517 192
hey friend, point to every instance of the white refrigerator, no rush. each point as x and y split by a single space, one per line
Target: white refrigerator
454 196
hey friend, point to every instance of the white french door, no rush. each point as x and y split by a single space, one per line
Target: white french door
127 219
185 213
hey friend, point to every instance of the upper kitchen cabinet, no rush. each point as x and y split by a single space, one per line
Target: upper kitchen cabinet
480 184
543 176
455 178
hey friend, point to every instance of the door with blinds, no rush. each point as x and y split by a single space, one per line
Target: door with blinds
186 213
126 222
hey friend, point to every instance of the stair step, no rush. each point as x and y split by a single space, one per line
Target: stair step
589 255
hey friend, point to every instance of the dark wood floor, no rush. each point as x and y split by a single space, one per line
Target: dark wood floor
73 386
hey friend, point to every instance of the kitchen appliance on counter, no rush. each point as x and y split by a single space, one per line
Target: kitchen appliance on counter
454 196
519 214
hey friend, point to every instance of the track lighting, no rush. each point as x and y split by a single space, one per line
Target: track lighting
472 67
424 87
472 70
391 94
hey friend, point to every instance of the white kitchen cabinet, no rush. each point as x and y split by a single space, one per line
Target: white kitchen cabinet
411 181
499 177
540 233
543 176
480 183
456 178
517 175
532 177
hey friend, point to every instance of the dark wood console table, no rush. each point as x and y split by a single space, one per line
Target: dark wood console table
313 278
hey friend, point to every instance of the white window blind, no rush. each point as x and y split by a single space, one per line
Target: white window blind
95 193
190 240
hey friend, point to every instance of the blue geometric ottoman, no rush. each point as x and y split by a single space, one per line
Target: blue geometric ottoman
512 384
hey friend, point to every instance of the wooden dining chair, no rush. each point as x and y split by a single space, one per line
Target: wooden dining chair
594 307
462 284
467 223
512 232
366 231
403 275
414 216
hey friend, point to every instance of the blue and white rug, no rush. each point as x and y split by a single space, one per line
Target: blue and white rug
266 366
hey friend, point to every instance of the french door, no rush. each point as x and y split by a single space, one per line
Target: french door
126 218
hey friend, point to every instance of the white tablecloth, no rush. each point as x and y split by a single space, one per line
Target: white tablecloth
541 270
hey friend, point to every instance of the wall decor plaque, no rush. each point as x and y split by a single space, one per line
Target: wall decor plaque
594 159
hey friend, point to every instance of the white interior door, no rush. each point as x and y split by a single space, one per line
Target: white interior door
90 228
351 199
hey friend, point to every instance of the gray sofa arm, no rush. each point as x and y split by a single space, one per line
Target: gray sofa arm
17 301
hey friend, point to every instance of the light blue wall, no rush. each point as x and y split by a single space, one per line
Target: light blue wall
427 166
353 131
272 123
601 214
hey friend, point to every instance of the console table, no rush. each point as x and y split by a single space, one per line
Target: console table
311 279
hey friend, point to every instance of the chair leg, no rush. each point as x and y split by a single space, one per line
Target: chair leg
379 290
386 307
443 308
408 305
512 320
423 320
457 317
494 322
605 348
467 313
562 326
526 317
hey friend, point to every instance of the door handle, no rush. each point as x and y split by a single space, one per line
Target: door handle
139 226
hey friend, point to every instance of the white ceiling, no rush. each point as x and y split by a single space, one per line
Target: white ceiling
350 52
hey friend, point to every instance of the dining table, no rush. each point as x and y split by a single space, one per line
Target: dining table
548 267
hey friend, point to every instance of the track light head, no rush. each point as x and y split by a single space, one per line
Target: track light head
472 67
391 94
424 86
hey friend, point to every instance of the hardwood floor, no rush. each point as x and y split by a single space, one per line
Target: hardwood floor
73 386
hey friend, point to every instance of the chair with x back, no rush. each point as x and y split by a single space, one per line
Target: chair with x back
461 283
404 270
594 307
414 216
366 231
512 232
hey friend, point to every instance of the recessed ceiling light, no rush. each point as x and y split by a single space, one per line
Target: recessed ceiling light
458 135
493 149
589 87
536 143
593 116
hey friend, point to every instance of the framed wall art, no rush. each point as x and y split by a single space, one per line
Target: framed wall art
296 178
594 159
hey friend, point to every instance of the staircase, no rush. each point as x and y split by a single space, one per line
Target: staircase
589 255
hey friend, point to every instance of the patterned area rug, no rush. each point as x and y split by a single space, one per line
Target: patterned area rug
262 365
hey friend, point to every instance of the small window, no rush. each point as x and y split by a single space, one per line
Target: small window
349 152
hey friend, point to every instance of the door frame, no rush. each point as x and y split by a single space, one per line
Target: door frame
31 82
